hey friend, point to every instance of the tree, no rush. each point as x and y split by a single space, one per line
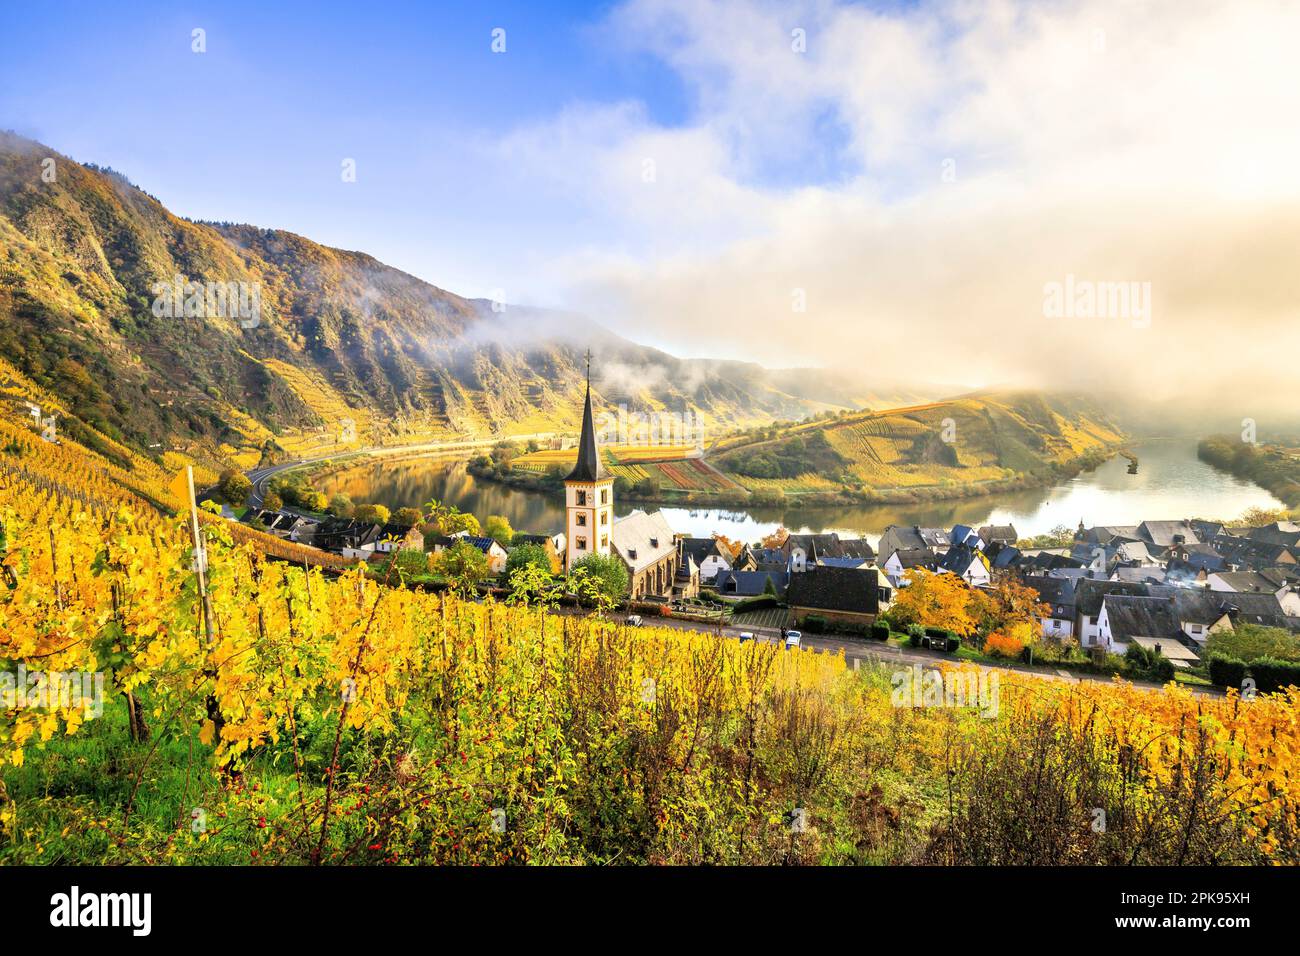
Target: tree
234 486
776 539
526 556
272 501
371 514
1006 604
497 527
769 588
531 582
314 501
408 517
728 547
340 505
406 564
647 487
463 566
935 599
600 580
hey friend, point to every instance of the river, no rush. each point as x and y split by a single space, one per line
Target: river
1171 483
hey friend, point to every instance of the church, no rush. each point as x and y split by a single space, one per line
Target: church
645 542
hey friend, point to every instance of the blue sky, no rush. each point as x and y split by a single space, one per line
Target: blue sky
796 182
256 128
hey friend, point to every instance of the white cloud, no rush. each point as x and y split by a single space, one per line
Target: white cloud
1111 141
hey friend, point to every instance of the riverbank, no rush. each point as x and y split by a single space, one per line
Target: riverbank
1272 467
838 498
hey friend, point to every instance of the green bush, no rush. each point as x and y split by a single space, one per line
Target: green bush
1271 674
880 632
915 634
814 622
1227 671
1148 665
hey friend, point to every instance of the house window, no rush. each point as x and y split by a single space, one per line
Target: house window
631 553
654 542
582 521
581 544
581 498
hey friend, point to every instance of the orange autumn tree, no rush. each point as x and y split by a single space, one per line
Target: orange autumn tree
936 600
1010 642
1011 608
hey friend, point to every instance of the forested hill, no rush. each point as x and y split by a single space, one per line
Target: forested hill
339 338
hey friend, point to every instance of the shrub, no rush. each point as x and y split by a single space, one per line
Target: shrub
879 631
814 622
1271 674
915 634
1227 671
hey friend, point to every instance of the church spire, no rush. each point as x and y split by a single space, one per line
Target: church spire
589 466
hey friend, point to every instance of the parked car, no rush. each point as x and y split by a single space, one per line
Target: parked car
793 639
634 620
746 636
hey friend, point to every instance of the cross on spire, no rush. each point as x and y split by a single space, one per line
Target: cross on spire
589 368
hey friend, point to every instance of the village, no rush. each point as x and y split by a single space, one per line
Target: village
1165 587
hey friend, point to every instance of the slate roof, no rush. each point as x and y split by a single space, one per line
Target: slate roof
855 548
642 539
1058 592
1131 617
588 467
1004 533
750 583
698 549
1163 533
959 558
835 589
1089 593
914 558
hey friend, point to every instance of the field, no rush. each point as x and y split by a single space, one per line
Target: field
342 721
960 442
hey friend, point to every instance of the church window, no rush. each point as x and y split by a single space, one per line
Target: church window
581 544
582 521
604 496
581 498
604 541
604 517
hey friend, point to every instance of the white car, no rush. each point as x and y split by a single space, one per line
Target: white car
746 636
793 639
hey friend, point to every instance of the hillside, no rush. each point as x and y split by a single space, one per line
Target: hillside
940 448
339 337
471 714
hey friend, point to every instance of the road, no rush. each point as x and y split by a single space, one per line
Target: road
877 652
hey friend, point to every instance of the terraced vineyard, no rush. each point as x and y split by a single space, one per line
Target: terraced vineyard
969 441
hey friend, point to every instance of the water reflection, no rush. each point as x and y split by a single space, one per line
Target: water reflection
1171 483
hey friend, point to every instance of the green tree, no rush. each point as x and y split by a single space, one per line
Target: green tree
532 583
234 486
406 564
371 514
600 580
526 556
340 505
497 527
272 501
463 566
408 517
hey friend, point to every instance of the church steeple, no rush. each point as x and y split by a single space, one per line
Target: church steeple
589 467
588 495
